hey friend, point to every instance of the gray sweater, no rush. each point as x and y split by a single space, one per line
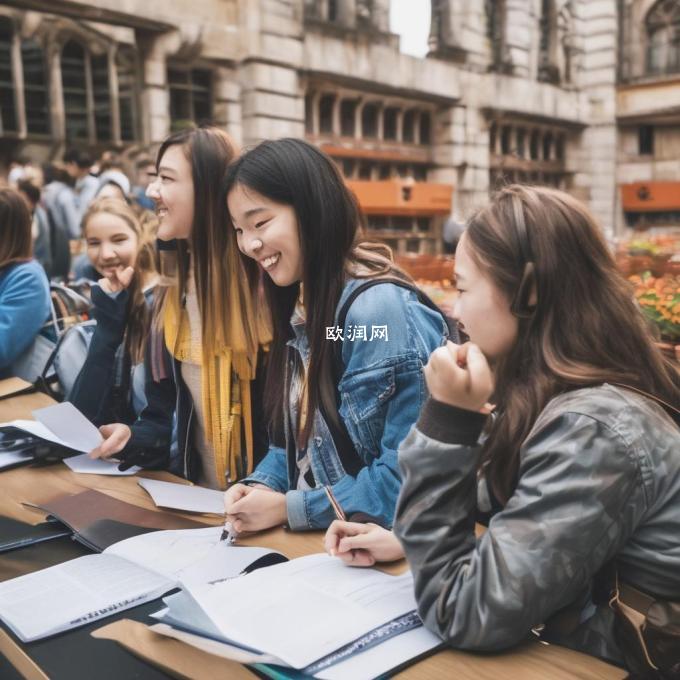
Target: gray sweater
599 478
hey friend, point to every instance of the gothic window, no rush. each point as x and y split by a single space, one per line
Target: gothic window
8 116
101 96
35 88
663 37
126 68
75 89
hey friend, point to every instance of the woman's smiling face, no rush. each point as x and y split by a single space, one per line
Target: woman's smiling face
111 242
173 192
267 232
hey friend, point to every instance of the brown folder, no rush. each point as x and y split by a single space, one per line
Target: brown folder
99 520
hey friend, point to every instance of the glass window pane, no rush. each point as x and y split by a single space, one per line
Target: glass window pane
35 88
102 97
127 93
75 90
8 116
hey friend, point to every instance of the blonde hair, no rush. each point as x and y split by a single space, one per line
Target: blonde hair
146 266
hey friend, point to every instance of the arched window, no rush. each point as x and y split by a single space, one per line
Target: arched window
36 97
8 114
74 85
663 37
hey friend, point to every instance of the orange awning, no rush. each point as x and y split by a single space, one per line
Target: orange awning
402 197
651 196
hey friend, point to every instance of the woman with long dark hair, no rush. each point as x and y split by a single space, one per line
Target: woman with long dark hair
344 381
202 354
579 467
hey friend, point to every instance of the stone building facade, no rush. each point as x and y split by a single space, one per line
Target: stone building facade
580 94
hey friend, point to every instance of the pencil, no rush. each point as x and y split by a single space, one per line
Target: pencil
339 513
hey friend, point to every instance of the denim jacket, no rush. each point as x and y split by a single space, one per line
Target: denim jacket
381 391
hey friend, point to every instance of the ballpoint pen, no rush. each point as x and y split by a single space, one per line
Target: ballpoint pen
337 509
228 533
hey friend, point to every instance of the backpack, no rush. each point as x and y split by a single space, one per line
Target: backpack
66 359
58 241
54 359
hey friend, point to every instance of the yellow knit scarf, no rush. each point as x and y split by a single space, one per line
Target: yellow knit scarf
225 387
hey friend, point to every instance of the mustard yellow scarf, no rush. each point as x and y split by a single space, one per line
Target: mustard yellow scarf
225 387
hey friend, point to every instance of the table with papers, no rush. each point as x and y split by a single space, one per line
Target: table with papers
99 650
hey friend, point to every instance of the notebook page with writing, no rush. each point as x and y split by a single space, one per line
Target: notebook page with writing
302 610
126 574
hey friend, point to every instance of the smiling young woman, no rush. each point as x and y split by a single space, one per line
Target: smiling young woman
120 247
297 227
203 352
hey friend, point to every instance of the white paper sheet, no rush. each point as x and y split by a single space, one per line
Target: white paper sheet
8 458
304 609
75 593
35 428
189 556
67 423
125 575
184 497
85 465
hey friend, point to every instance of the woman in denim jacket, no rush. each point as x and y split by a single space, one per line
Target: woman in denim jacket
293 215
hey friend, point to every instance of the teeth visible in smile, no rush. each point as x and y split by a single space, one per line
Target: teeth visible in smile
271 261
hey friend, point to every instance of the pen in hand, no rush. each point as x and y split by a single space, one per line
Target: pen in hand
229 534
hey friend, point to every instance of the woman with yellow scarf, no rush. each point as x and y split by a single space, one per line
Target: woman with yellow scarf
202 354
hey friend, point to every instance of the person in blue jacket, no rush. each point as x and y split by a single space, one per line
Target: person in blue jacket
340 394
24 289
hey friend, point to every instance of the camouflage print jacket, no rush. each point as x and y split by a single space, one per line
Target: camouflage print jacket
599 478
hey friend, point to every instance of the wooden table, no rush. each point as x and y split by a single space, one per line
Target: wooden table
532 661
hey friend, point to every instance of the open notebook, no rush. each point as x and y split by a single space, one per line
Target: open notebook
126 574
313 614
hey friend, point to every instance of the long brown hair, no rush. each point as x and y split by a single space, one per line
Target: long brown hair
295 173
226 319
585 328
15 228
137 327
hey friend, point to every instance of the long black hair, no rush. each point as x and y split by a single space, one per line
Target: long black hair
295 173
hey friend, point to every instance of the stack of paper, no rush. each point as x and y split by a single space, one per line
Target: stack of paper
313 614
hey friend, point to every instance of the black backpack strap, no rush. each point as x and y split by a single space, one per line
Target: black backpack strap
349 457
